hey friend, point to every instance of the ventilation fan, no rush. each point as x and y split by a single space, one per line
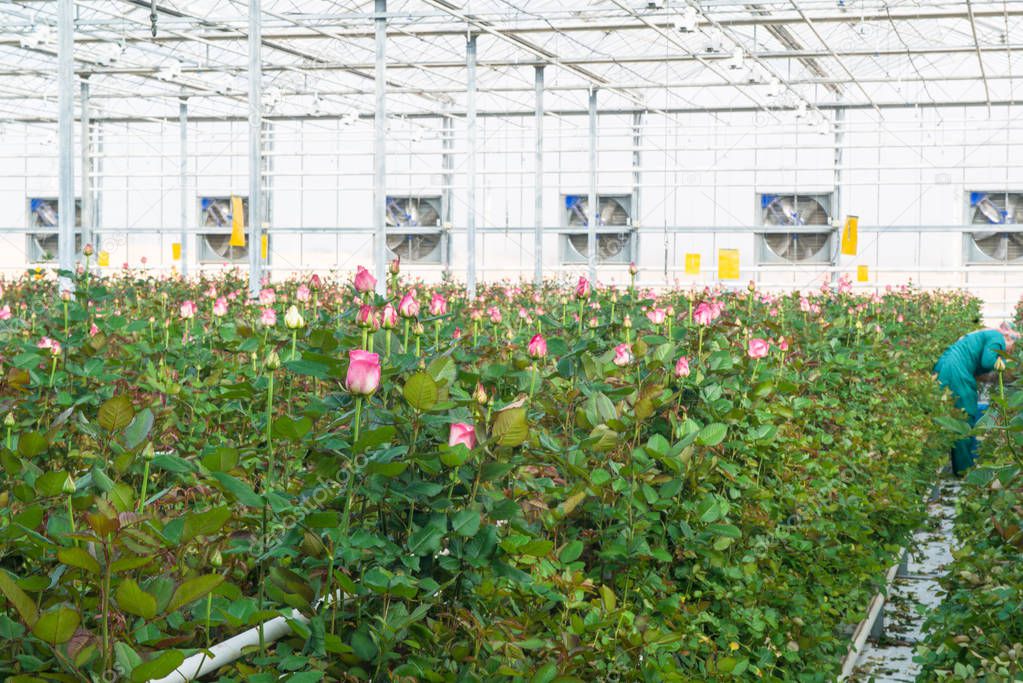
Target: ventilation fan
612 247
794 210
415 212
790 211
995 208
215 247
43 240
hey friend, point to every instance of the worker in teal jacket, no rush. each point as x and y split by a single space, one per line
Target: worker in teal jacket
972 355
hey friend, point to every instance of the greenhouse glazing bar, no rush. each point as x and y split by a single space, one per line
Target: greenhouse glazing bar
65 140
183 182
380 148
470 132
538 181
594 212
86 161
255 145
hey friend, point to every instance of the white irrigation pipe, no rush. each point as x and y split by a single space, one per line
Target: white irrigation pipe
232 649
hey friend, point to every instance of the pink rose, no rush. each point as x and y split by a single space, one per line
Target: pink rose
462 433
537 347
704 314
302 293
364 281
408 307
188 309
682 367
267 297
220 307
438 305
656 315
623 355
583 289
363 372
268 318
758 348
388 317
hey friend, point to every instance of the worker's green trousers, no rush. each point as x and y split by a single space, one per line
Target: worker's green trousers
964 452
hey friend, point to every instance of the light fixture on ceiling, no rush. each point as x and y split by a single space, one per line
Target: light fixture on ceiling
738 58
801 109
171 71
110 53
688 20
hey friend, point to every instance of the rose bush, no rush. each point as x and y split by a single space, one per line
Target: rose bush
976 634
531 499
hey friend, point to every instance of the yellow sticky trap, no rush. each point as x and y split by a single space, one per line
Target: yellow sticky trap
237 222
176 251
850 235
862 274
692 264
264 244
728 264
104 259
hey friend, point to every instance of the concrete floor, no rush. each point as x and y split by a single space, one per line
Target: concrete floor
889 657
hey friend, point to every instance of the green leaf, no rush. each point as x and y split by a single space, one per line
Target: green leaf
205 523
466 523
57 625
116 413
25 605
223 459
286 428
545 674
442 369
78 557
421 391
425 540
51 483
139 429
510 427
134 600
162 666
607 596
712 434
239 489
192 590
31 444
571 552
123 497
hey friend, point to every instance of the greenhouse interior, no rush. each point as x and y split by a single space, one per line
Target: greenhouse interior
543 342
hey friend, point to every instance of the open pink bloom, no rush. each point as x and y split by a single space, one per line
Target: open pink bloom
93 330
495 314
583 289
188 309
211 293
363 372
302 293
267 297
476 315
52 344
5 313
682 367
388 317
900 318
537 347
758 348
408 307
657 315
438 305
268 318
220 307
623 355
364 281
457 334
783 343
704 314
364 318
462 433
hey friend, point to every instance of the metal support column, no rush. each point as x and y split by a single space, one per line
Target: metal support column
470 134
837 207
86 154
637 180
380 149
255 144
591 223
447 200
183 183
538 181
65 139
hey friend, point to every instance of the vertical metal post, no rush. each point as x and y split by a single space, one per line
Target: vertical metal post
380 149
65 139
255 144
447 200
838 207
637 178
183 183
86 166
538 182
591 223
470 134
